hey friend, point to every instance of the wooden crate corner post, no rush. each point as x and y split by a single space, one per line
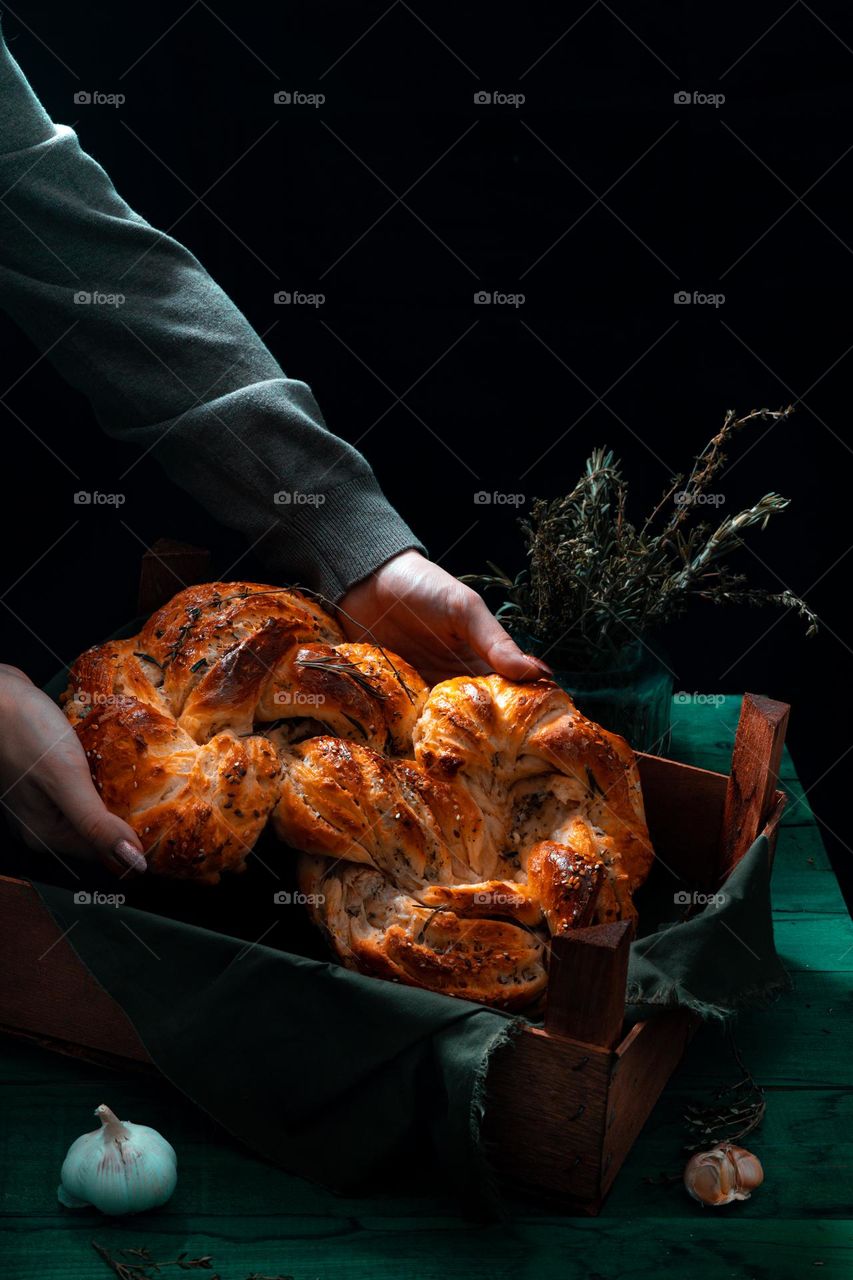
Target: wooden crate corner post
587 979
751 794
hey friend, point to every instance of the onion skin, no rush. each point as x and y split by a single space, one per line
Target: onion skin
120 1168
722 1175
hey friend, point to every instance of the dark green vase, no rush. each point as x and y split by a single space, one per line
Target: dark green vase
633 697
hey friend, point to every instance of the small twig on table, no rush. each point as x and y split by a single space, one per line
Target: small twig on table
147 1268
733 1120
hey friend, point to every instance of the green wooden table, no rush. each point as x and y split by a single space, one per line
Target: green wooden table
254 1219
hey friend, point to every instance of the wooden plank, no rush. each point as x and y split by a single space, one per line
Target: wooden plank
712 1246
816 943
804 1040
673 794
801 847
809 889
803 879
754 773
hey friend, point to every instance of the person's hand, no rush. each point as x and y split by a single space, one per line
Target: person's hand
435 622
46 789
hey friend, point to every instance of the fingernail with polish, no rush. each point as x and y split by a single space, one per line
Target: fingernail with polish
129 857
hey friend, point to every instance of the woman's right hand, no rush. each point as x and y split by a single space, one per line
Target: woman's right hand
45 785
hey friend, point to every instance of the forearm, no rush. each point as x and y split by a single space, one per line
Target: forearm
174 366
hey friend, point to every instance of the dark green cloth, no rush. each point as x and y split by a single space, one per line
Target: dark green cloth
331 1074
719 961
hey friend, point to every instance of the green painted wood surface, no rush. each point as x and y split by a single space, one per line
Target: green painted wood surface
253 1218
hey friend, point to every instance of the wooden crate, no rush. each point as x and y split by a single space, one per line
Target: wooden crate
565 1103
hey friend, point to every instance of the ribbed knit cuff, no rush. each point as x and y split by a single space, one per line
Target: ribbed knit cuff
337 539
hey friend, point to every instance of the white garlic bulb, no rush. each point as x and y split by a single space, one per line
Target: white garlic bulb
120 1168
725 1174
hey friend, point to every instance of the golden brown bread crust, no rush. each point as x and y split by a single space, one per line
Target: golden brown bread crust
346 801
377 929
565 880
197 810
518 819
499 737
445 834
182 722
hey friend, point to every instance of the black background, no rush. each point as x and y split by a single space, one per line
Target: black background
598 199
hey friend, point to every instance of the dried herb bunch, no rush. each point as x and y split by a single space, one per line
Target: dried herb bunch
595 581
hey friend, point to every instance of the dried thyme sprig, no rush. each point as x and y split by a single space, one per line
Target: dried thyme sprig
737 1110
711 460
147 1267
594 581
341 667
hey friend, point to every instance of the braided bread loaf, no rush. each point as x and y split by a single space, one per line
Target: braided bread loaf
445 833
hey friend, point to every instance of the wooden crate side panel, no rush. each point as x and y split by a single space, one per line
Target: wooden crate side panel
545 1112
47 990
642 1066
684 810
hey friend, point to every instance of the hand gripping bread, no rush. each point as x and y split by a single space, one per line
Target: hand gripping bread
445 834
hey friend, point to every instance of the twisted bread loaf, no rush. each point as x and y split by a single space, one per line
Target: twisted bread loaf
446 834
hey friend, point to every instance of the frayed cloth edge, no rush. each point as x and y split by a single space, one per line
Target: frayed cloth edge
488 1183
675 996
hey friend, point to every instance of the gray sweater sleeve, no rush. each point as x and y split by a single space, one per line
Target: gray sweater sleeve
176 368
